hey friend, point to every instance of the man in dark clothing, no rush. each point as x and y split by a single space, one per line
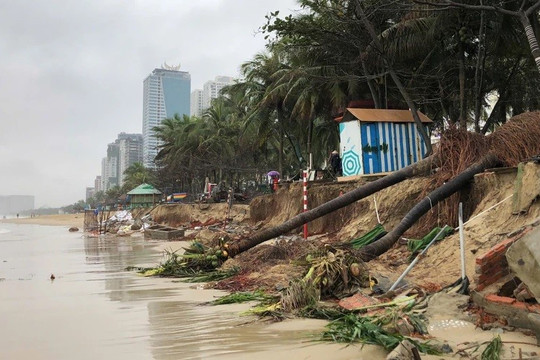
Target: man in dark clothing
335 163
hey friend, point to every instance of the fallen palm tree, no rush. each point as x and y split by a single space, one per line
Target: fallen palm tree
422 167
380 246
512 143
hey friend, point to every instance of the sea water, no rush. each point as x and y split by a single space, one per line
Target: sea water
95 309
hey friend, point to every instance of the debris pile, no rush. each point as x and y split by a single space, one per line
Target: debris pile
324 277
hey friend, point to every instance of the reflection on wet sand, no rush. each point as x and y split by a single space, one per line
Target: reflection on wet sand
95 309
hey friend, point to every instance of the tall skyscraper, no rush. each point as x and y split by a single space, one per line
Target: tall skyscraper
166 93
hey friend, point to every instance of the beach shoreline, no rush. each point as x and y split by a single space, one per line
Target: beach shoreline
70 220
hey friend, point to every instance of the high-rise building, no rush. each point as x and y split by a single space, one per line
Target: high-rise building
197 102
121 154
212 89
109 167
97 183
130 151
166 93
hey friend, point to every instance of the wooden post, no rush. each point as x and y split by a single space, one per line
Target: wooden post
305 173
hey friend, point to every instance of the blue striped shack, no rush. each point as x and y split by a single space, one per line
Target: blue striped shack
376 140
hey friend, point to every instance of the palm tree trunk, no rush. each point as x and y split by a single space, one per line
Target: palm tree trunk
281 138
531 38
421 167
382 245
309 136
372 90
479 72
502 98
462 112
371 30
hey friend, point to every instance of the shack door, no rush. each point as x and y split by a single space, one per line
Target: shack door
371 156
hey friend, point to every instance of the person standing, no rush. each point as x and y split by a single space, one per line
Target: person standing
335 163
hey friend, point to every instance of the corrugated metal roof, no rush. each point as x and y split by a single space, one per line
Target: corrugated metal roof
144 189
382 115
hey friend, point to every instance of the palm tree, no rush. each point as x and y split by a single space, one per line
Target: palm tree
135 175
268 111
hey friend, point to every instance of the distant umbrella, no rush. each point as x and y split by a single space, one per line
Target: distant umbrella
273 173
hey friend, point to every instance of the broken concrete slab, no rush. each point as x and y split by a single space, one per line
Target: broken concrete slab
526 188
162 232
523 259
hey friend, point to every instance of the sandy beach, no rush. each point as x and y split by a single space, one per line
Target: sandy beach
53 220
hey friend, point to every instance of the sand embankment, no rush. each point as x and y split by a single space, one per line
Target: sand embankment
54 220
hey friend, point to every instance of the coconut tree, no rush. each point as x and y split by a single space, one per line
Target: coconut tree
135 175
521 10
267 109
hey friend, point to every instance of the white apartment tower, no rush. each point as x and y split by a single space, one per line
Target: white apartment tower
212 88
197 102
166 92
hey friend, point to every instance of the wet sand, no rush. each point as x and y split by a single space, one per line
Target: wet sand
69 220
99 310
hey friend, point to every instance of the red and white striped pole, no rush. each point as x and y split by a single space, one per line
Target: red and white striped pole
305 174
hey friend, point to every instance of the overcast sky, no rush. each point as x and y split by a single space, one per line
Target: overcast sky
71 76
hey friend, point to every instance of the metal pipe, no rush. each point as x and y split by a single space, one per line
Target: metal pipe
461 240
416 259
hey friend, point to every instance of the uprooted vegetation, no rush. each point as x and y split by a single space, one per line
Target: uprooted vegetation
329 266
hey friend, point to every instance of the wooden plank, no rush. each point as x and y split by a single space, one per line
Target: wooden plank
367 177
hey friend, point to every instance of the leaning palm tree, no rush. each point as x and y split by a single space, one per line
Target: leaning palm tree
420 168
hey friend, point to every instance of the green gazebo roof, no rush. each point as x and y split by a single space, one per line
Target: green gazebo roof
144 189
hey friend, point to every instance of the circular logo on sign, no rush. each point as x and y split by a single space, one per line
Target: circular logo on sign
351 163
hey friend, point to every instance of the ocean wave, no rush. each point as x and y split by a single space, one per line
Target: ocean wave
4 231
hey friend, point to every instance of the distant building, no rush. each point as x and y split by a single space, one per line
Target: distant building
109 167
130 152
97 184
14 204
166 92
212 89
90 191
197 102
202 99
124 152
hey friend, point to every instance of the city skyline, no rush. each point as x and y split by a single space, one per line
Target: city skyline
73 72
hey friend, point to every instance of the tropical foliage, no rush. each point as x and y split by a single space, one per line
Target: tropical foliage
463 64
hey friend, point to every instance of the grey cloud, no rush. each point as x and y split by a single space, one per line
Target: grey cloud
72 75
